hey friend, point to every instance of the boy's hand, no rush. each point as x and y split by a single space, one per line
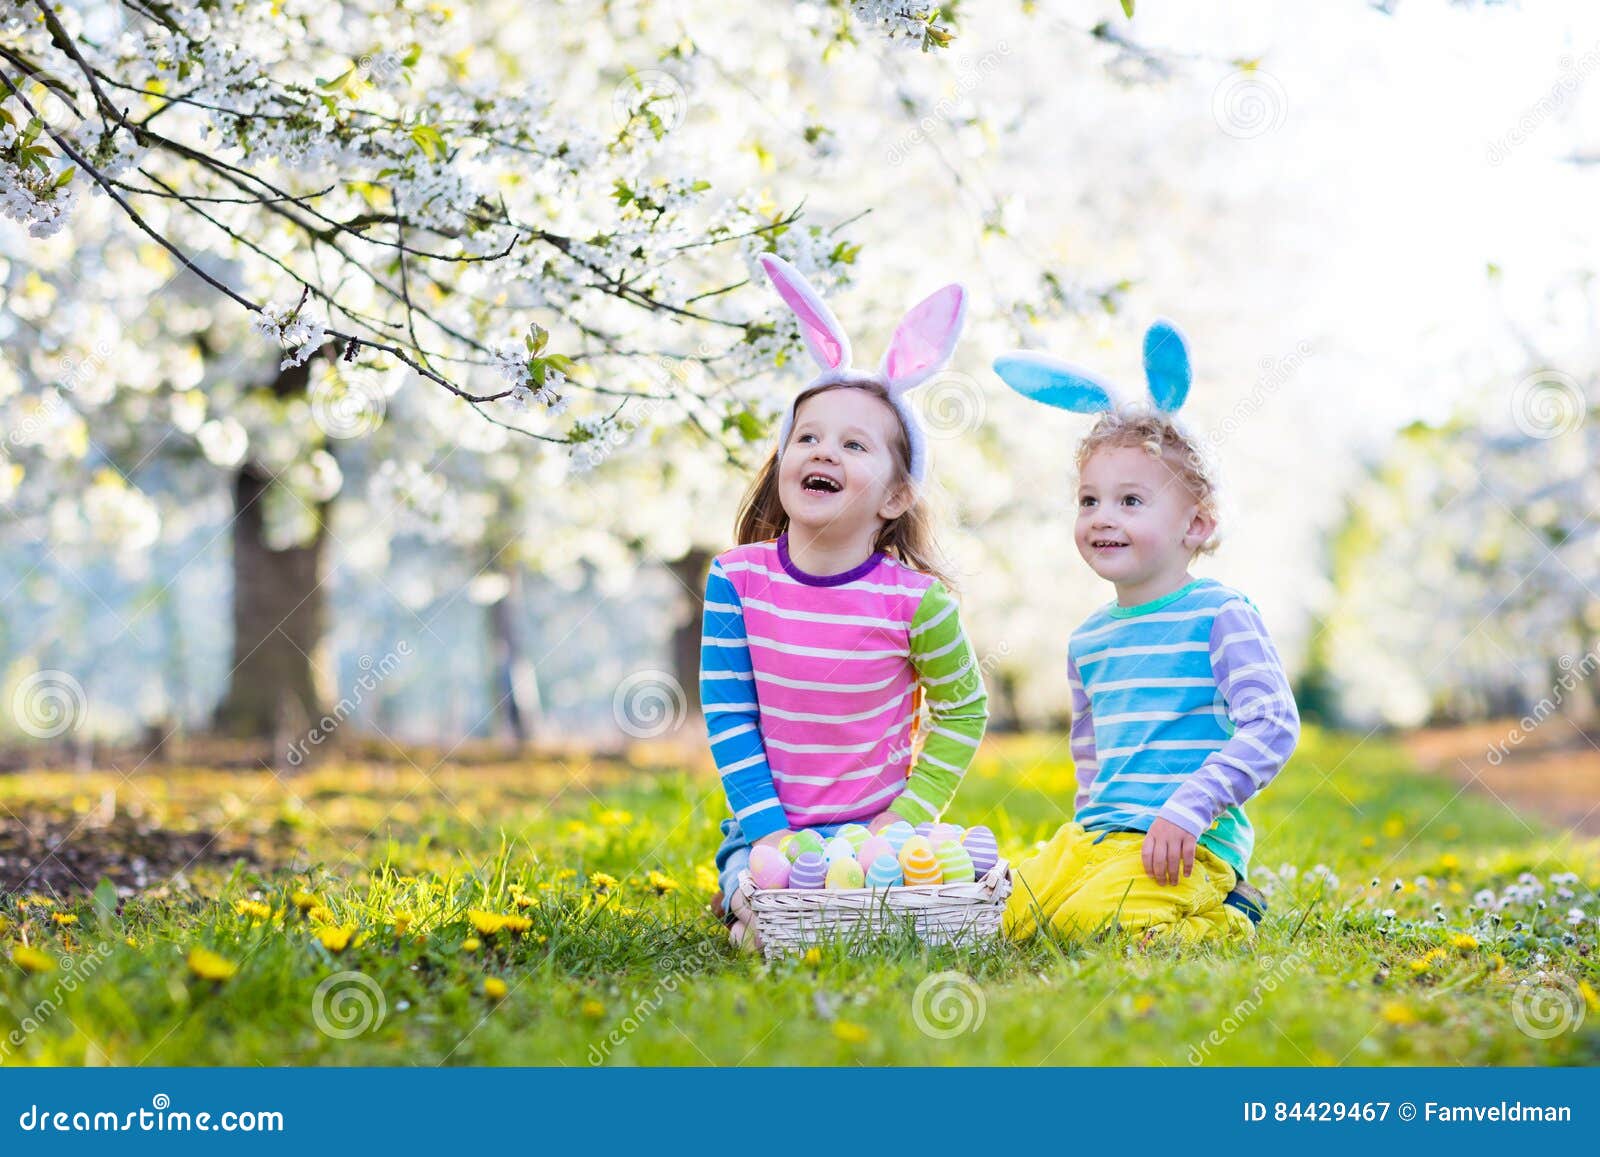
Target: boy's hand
1166 848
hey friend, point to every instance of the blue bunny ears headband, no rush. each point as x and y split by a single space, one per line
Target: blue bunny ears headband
1055 383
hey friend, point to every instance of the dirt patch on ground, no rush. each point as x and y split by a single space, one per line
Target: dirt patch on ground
1552 770
62 854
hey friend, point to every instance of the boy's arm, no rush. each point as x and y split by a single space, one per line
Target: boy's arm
958 707
1085 763
1262 709
733 722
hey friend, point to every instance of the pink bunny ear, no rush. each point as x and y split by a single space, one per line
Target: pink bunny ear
824 335
925 339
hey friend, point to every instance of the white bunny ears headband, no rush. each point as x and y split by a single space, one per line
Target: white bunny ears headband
1055 383
922 344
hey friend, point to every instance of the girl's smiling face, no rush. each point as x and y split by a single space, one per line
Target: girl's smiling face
841 471
1138 525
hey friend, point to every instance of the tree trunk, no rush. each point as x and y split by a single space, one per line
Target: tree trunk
277 688
690 571
516 686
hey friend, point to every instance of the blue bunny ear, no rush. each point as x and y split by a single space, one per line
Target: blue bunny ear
1166 366
1044 379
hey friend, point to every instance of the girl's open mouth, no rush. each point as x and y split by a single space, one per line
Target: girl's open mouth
820 484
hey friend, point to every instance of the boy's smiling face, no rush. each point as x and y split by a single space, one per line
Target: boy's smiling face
838 475
1139 525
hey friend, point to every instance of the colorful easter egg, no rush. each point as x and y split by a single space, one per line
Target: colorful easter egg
802 842
808 871
919 863
943 832
769 868
885 872
871 849
955 865
838 849
857 834
783 844
924 829
845 874
897 834
981 846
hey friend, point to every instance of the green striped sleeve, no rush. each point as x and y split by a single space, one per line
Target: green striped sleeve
958 707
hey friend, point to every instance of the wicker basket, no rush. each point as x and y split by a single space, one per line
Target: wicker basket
790 920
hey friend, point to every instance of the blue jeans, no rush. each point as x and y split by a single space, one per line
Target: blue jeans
733 856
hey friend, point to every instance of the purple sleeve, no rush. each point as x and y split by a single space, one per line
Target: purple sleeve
1261 707
1084 760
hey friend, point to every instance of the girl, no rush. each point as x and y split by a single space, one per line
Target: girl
1180 708
831 622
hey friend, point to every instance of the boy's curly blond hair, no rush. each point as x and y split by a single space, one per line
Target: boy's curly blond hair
1160 437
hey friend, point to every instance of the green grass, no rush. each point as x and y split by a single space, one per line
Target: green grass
631 976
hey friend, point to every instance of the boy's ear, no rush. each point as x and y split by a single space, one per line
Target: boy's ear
1201 527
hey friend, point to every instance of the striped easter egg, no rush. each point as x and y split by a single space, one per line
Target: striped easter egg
808 871
897 834
955 865
845 874
919 863
885 872
856 833
944 832
981 846
769 868
800 843
924 829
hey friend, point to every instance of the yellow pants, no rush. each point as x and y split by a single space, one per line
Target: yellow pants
1081 882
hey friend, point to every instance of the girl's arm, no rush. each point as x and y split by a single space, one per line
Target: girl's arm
958 706
728 698
1085 764
1260 706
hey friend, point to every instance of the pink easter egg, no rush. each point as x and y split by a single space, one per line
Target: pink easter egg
769 867
874 847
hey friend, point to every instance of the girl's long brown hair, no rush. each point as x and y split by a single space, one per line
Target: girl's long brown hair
909 538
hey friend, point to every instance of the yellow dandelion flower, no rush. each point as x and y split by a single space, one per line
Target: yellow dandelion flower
32 960
5 926
402 922
253 908
1590 997
471 944
705 879
1438 954
516 925
130 942
813 956
663 884
495 988
541 938
63 918
303 901
207 965
1369 841
1143 1003
1499 962
1449 862
523 901
320 914
850 1032
1394 828
1464 942
593 1009
336 937
1421 964
37 901
616 819
1398 1012
567 874
601 881
486 923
